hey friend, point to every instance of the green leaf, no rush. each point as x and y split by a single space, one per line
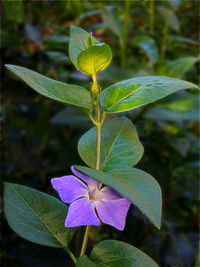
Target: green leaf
148 45
80 40
56 40
113 253
111 20
95 59
136 185
171 19
36 216
139 91
177 68
165 114
72 95
72 117
120 145
14 10
58 57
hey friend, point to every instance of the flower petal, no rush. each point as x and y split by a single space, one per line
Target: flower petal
81 212
113 212
69 188
107 193
89 181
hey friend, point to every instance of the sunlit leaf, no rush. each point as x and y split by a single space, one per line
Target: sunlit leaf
139 91
80 40
94 59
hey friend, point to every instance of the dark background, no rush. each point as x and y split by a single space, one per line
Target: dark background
39 136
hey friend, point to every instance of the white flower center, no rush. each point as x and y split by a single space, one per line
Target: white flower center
95 194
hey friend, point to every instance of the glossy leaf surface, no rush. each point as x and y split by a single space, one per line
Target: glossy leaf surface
36 216
72 95
120 145
136 92
113 253
94 59
80 40
136 185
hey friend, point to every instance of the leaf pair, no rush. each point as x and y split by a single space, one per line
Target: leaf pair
39 218
122 96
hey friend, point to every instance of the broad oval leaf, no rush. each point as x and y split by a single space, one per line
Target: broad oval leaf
113 253
136 92
94 59
79 40
120 145
136 185
72 95
36 216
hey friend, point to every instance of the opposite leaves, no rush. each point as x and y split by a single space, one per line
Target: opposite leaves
113 253
139 91
36 216
120 145
72 95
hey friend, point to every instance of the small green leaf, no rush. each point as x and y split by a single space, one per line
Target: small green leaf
177 68
111 20
165 114
113 253
72 95
94 59
148 45
56 40
36 216
120 145
79 41
136 92
136 185
170 17
72 117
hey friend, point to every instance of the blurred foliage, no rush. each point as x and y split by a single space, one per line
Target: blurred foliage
39 136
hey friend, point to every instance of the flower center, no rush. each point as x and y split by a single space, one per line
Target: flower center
95 194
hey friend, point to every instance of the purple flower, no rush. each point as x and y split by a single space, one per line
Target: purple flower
90 203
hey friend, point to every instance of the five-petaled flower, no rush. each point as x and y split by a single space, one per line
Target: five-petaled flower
90 203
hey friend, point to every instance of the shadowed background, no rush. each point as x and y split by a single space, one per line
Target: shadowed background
39 136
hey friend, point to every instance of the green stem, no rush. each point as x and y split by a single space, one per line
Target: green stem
125 33
98 121
85 240
163 48
98 145
70 254
151 13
